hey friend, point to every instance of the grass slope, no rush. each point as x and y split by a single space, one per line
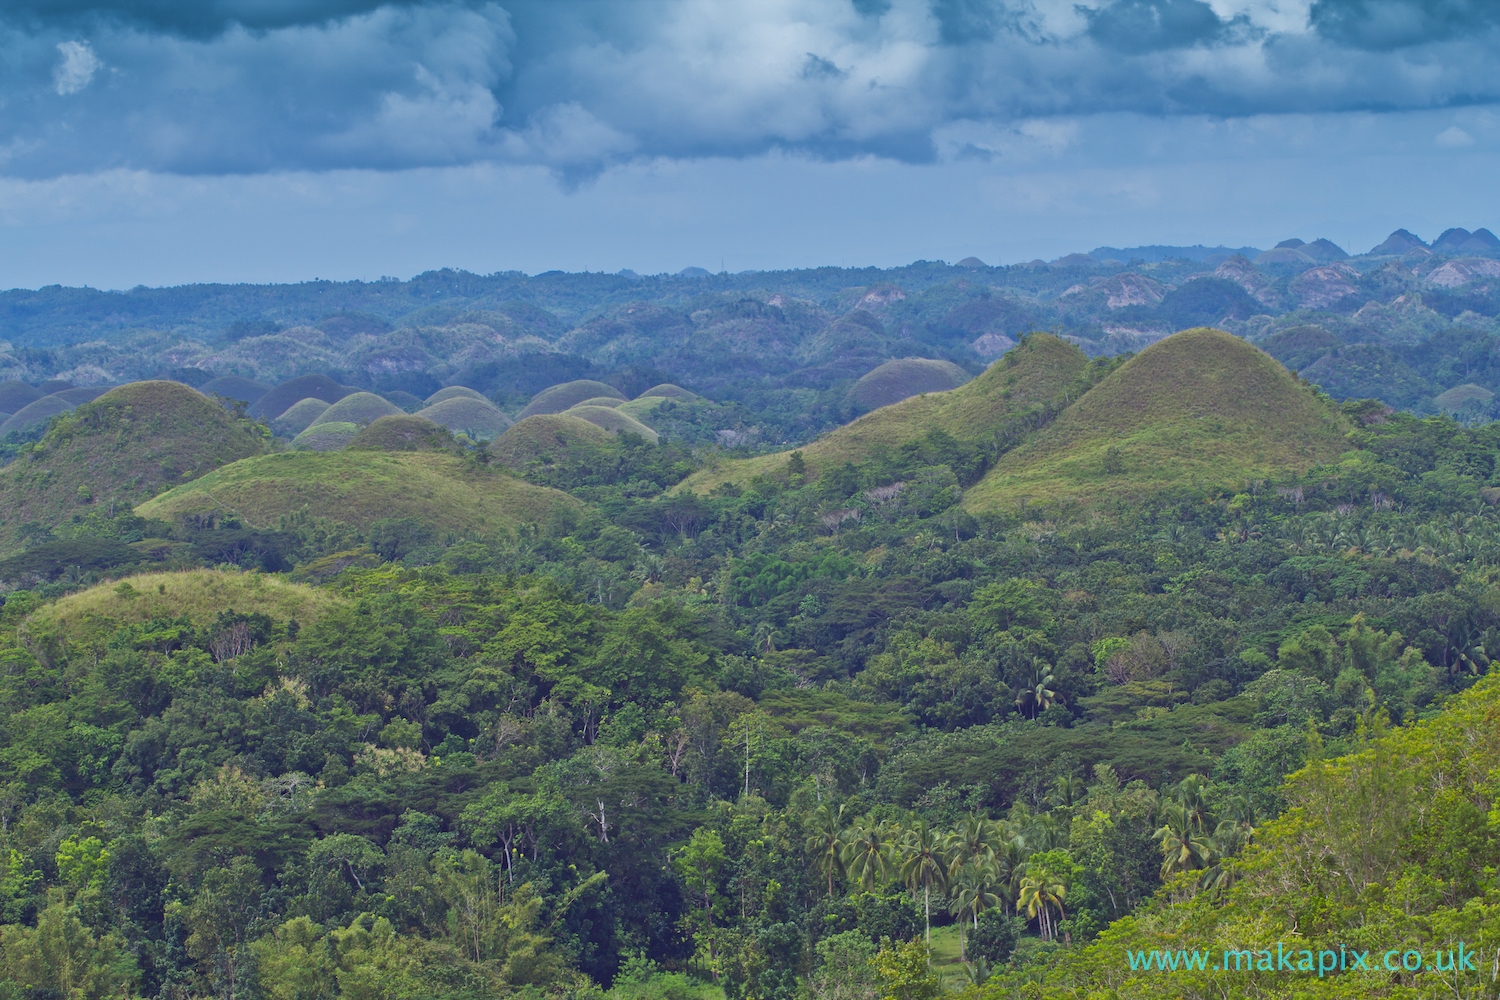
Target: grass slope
543 436
35 413
198 594
362 487
125 447
1028 376
455 392
276 402
669 391
299 417
1201 407
326 437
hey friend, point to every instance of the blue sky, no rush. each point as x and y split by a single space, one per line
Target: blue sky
157 141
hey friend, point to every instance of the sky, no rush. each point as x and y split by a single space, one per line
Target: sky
169 141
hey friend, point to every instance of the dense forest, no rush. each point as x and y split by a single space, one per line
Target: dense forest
852 723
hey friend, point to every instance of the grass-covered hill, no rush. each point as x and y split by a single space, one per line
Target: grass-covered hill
1201 408
542 436
903 378
125 447
196 595
406 432
359 488
991 408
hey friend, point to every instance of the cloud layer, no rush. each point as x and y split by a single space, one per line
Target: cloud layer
248 86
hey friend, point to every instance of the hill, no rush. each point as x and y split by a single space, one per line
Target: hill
1201 407
406 432
274 403
124 447
299 417
359 488
903 378
356 408
199 595
478 418
246 390
330 436
558 398
541 437
1020 383
454 392
612 420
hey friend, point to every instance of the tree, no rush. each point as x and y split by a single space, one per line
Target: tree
1039 896
924 864
905 972
825 842
973 890
219 918
1183 845
868 849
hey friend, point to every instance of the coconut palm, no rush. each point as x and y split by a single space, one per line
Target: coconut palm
924 864
1037 694
867 853
973 891
1040 895
1068 790
1183 845
825 842
973 840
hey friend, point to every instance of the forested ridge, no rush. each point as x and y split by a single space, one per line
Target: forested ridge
840 736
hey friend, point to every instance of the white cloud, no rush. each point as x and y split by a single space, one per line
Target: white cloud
1454 137
77 68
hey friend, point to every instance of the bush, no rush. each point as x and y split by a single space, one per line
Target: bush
995 938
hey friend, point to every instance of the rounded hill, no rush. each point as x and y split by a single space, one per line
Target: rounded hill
544 438
1200 408
357 408
1005 399
15 394
299 416
612 420
124 447
35 413
276 402
558 398
455 392
407 432
246 390
477 418
359 488
669 391
330 436
903 378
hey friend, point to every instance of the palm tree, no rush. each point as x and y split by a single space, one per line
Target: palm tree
1038 695
924 863
1040 895
867 853
973 840
1067 790
1183 845
825 842
973 891
1192 793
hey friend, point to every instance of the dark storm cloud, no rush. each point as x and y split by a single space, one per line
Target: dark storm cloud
185 17
1384 25
236 86
1137 26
